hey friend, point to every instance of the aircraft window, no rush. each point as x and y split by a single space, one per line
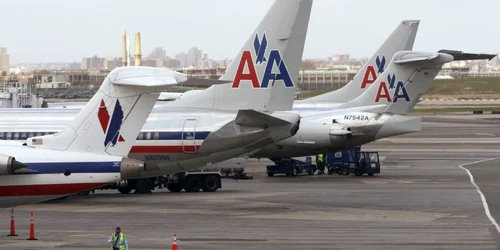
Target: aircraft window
148 136
29 134
23 135
16 135
8 135
157 135
140 136
1 135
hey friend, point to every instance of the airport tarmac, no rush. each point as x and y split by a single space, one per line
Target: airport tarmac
421 200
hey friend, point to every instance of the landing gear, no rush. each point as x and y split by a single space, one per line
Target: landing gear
144 186
210 184
193 184
125 190
174 187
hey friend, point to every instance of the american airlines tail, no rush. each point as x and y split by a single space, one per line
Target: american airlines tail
402 38
110 122
265 72
408 76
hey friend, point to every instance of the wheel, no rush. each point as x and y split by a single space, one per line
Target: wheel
370 174
193 184
174 187
125 190
345 171
358 173
287 174
310 172
270 174
143 186
210 183
294 172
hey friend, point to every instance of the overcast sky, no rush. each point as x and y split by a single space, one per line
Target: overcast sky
61 30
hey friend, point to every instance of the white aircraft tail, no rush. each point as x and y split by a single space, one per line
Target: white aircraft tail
110 122
265 72
408 76
402 38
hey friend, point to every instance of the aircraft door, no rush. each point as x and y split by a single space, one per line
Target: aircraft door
188 136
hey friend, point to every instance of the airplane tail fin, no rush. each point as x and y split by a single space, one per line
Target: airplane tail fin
402 38
265 72
408 76
110 122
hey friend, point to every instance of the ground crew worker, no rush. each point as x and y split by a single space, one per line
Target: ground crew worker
118 240
321 163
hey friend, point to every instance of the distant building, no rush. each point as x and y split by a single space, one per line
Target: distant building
149 63
193 57
340 59
92 62
169 63
158 53
4 60
112 62
224 63
206 63
74 66
182 57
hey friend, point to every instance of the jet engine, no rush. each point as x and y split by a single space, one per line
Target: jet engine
8 165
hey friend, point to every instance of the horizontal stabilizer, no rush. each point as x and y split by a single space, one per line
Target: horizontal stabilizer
461 56
153 77
252 118
414 58
342 110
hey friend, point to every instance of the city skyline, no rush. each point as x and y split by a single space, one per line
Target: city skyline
66 32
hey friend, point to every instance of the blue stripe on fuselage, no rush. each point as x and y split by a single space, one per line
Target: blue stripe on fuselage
74 167
199 135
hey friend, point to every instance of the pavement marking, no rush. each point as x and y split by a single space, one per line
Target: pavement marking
485 134
483 198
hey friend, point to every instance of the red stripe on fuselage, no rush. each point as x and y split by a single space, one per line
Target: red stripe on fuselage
47 189
163 149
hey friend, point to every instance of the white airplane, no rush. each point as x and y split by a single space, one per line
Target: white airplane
387 103
90 152
231 120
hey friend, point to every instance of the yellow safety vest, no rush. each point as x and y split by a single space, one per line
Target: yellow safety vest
320 157
121 243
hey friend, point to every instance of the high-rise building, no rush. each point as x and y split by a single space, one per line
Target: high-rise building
182 57
193 57
4 60
92 62
157 53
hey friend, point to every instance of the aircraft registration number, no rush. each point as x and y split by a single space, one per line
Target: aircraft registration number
356 117
157 157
